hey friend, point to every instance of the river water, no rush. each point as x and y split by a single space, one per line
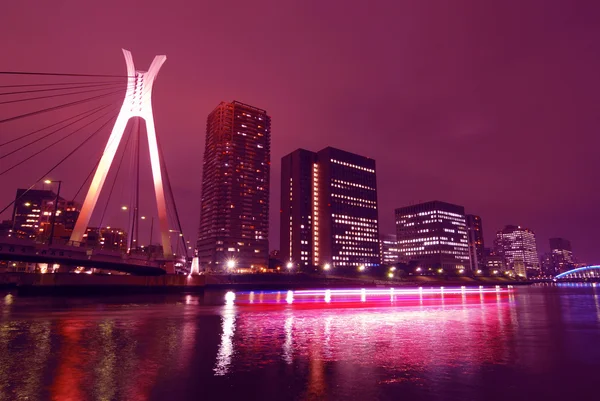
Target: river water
527 343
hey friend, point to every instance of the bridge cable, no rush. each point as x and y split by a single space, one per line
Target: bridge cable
88 177
59 89
47 173
55 142
171 196
33 113
94 111
115 180
57 95
132 193
56 74
59 84
42 129
136 210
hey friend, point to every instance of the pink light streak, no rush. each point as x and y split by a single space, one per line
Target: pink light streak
370 297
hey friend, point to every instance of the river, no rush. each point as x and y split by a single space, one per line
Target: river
529 343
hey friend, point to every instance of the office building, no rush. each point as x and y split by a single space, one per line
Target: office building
517 243
234 216
434 234
476 246
389 250
562 259
329 209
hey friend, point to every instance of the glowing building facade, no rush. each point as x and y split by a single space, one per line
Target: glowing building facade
388 246
514 244
434 234
329 209
234 220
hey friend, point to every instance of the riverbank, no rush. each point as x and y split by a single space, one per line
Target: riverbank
94 284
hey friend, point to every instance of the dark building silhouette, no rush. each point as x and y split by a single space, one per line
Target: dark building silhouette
435 235
493 263
476 245
32 215
110 238
561 254
234 217
329 209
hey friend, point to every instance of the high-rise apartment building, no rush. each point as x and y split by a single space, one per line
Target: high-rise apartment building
329 209
561 255
515 243
434 234
234 217
389 250
476 246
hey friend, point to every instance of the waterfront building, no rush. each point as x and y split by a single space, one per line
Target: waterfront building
435 235
547 265
234 216
519 267
492 262
32 215
476 245
329 209
518 243
562 258
109 238
389 250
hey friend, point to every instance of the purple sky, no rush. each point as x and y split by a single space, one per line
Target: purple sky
493 105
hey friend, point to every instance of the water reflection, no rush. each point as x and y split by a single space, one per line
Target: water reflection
318 345
225 352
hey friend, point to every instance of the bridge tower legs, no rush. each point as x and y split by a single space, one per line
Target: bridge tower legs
137 104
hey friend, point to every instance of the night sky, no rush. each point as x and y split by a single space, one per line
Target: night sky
493 105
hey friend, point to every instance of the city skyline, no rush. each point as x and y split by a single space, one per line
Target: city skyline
433 117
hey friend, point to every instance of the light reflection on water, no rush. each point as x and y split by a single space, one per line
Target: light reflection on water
458 344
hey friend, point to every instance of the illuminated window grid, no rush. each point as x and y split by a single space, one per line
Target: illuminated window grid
315 213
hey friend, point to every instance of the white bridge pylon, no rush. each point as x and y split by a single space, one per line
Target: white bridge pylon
137 103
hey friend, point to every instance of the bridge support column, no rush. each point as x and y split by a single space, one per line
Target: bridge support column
137 104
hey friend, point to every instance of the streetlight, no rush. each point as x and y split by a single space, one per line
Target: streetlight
391 275
230 264
327 266
124 208
53 217
290 265
361 268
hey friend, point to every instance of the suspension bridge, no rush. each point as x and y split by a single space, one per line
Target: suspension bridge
91 126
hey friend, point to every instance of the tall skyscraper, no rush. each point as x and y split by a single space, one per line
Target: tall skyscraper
561 255
389 250
515 244
329 209
234 216
475 231
435 235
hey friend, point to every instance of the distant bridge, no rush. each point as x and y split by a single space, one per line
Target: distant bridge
591 273
22 250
